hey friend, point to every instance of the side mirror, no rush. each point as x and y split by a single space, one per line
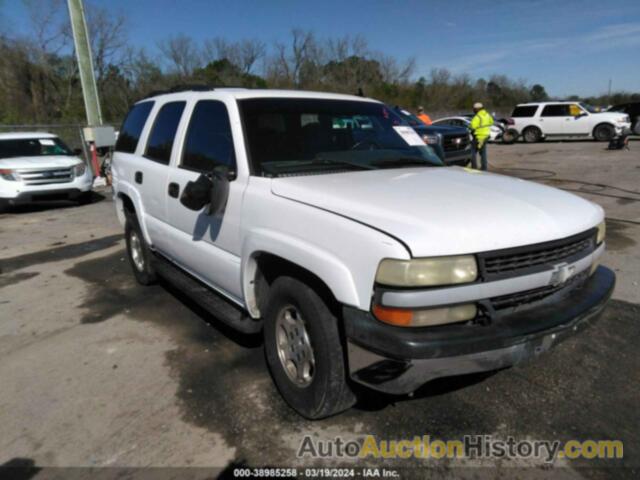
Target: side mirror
210 190
78 151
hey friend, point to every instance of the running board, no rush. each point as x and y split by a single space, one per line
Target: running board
205 297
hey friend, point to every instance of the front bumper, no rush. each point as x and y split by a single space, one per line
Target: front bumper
461 158
398 360
17 193
46 196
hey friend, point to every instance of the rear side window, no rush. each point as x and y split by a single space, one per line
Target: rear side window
556 111
164 132
132 127
525 111
209 142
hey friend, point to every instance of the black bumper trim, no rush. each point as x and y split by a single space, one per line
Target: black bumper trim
402 343
397 363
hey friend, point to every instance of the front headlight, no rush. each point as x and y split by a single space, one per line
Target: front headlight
10 175
79 169
430 139
427 272
602 231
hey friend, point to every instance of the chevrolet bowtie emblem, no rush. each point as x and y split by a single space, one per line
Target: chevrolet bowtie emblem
561 273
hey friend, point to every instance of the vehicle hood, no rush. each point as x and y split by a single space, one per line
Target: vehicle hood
612 116
446 210
43 162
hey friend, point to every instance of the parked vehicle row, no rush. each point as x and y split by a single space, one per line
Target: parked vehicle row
323 222
501 130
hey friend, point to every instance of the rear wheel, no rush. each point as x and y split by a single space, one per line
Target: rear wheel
604 133
509 136
138 252
532 134
304 350
4 205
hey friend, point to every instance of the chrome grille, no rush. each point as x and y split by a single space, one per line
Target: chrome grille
46 177
454 143
550 253
536 295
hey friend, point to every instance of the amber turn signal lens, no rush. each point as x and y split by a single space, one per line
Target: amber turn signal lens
393 316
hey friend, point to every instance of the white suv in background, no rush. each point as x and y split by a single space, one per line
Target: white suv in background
39 167
536 121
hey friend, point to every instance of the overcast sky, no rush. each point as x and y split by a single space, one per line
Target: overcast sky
569 46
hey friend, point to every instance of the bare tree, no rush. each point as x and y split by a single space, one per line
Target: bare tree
182 53
243 54
250 52
108 33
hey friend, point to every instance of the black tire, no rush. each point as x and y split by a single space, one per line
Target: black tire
327 392
531 135
4 206
510 136
142 264
85 198
604 133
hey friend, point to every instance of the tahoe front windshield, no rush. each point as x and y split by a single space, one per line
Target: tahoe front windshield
297 136
33 147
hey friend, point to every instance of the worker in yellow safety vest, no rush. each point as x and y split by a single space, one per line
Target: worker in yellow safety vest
481 128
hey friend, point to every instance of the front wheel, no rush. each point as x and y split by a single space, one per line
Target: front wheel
604 133
509 136
138 252
304 350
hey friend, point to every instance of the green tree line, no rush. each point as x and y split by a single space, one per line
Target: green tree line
39 80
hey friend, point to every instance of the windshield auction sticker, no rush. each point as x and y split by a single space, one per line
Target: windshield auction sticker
410 136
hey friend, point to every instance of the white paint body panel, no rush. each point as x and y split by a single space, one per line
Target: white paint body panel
571 125
447 211
337 226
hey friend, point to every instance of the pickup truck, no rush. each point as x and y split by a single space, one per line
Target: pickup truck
453 144
319 222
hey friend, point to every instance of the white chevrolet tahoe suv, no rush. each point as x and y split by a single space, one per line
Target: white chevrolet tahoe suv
536 121
324 223
39 167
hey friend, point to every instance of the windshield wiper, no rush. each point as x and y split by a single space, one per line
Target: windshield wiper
320 160
404 162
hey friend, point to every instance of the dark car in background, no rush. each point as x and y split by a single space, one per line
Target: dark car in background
633 110
452 144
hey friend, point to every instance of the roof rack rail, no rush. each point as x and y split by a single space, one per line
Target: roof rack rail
188 88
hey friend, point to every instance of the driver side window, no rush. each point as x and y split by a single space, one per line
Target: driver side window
574 110
209 142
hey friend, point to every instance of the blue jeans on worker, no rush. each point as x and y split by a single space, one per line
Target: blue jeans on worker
479 148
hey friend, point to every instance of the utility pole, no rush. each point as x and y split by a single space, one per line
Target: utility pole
85 63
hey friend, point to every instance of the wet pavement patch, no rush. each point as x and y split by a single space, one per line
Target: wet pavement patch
16 278
575 391
617 238
586 388
65 252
